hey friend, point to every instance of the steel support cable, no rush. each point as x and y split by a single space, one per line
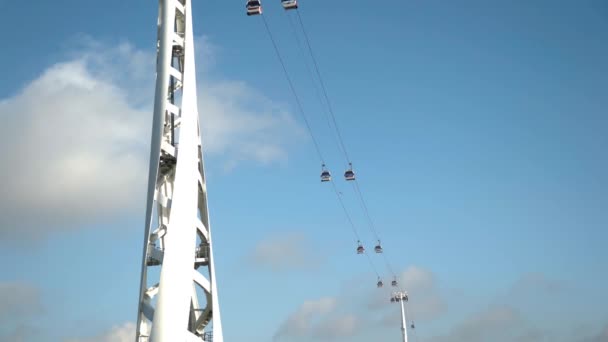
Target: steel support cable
314 140
293 90
372 226
357 190
312 136
316 65
352 225
372 264
312 77
355 185
330 110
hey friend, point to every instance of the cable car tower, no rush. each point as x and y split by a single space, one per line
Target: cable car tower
178 298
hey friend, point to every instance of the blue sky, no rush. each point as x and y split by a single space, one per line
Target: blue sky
477 131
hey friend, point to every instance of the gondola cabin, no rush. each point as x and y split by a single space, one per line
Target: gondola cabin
349 175
325 176
289 4
360 250
378 248
254 7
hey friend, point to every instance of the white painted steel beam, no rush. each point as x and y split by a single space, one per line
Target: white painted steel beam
177 263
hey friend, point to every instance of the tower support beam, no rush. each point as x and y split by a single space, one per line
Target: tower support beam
401 298
178 298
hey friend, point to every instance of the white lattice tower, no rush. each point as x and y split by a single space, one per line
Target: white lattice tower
178 298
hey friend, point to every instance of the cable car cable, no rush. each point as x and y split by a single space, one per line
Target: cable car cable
372 264
364 207
316 65
312 77
314 140
309 127
330 113
345 211
372 226
293 90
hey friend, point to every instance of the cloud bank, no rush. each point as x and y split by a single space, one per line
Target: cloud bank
317 319
120 333
75 140
284 252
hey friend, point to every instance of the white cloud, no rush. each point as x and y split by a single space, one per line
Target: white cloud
359 312
18 300
344 325
500 324
284 252
535 283
425 300
301 323
119 333
241 123
20 306
21 333
417 280
73 144
75 140
602 336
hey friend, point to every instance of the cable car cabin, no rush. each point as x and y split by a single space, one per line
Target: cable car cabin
413 326
394 283
325 176
392 299
380 284
360 249
349 174
289 4
254 7
378 248
405 298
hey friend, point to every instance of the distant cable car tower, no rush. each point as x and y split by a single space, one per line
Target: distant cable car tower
178 299
401 297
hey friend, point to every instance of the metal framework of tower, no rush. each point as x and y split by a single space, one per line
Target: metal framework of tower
178 298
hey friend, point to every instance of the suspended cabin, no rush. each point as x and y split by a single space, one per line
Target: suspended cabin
325 175
378 248
379 284
254 7
289 4
413 326
392 299
360 249
394 282
349 174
